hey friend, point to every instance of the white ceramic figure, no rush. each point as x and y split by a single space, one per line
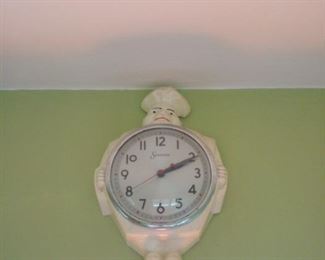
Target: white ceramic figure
162 182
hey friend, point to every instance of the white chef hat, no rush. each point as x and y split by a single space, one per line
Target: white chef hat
166 97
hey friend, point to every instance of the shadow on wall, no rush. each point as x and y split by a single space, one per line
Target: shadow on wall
189 60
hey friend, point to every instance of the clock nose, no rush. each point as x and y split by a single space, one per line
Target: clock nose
163 112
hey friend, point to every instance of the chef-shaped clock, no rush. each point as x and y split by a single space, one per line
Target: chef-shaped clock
162 182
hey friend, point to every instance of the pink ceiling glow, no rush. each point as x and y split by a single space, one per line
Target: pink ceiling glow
51 27
118 44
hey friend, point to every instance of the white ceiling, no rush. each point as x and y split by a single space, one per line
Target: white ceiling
134 44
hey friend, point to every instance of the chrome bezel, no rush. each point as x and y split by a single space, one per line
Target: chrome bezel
150 224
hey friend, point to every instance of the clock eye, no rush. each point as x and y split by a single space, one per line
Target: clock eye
171 112
155 110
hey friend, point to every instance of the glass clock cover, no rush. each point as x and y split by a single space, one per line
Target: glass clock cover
160 176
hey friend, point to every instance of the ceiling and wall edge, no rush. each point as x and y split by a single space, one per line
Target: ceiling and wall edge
135 88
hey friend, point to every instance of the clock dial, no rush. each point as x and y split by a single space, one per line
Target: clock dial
160 176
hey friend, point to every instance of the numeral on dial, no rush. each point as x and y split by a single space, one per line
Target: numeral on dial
129 191
160 208
179 203
143 203
143 145
124 174
131 158
192 189
197 173
191 154
160 141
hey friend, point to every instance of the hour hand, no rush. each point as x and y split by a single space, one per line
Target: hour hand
175 166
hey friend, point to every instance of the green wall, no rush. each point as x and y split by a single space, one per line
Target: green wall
271 141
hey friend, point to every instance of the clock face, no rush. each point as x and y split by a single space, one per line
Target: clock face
160 176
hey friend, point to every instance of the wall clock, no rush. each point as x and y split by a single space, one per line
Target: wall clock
161 182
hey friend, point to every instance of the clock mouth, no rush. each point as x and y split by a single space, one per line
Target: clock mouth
162 118
135 215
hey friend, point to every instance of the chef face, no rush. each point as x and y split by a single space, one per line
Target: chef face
161 115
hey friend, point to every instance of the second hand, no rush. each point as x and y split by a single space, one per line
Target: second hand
172 167
153 176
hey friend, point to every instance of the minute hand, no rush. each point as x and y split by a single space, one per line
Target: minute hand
175 166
